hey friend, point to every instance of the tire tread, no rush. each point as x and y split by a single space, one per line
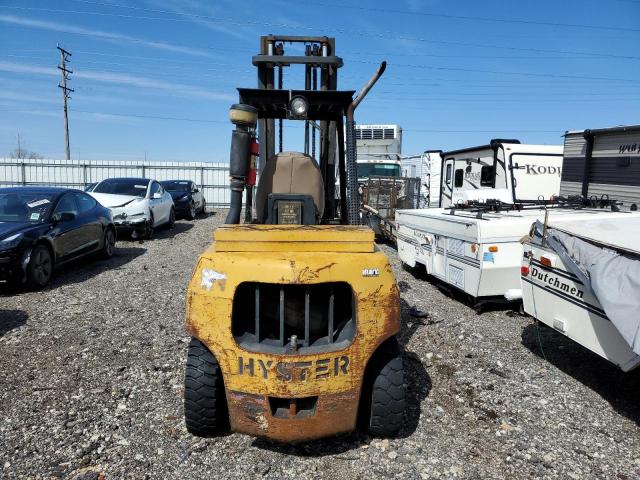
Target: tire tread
204 396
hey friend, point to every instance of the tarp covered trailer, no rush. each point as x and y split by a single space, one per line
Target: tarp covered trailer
581 277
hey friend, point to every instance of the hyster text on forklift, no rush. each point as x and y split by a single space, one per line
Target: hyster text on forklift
294 313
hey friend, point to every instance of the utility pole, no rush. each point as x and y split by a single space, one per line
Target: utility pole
64 58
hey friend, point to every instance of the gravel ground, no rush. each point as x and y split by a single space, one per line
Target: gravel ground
91 387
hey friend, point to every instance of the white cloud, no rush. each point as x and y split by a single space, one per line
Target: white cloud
197 13
20 97
118 37
122 79
22 68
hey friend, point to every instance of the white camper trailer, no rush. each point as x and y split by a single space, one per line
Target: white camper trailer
476 249
504 170
492 194
581 277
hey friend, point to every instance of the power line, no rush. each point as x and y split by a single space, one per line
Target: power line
153 117
201 120
385 34
387 10
493 131
501 72
468 17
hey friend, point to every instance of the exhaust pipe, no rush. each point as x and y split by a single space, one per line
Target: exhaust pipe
244 117
353 197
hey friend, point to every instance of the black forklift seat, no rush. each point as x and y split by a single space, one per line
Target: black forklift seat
290 173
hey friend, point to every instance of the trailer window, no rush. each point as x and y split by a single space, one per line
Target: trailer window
449 167
486 176
459 178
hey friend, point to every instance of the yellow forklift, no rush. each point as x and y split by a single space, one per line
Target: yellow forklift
293 314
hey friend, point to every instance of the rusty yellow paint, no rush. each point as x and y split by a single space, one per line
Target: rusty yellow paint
209 308
308 238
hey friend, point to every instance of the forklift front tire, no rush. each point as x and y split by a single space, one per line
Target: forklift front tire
205 408
384 391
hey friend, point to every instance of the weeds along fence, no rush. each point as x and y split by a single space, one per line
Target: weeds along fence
212 178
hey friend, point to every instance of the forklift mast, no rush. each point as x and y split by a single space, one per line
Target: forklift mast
320 73
321 107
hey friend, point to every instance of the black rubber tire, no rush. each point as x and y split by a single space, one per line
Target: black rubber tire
192 212
203 209
108 243
205 404
148 229
40 267
383 402
172 219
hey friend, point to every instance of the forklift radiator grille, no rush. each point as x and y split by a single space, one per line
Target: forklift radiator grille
292 319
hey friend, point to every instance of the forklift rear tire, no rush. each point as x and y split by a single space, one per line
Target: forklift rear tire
383 397
205 407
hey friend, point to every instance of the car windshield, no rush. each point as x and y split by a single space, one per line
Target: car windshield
383 169
133 187
177 186
25 206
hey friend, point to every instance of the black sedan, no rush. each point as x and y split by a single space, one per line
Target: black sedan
42 228
187 197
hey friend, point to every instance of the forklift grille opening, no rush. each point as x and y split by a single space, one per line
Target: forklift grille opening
293 319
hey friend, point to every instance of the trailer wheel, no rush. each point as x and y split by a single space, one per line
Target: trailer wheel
205 407
383 394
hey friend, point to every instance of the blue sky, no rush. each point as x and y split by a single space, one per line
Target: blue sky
156 77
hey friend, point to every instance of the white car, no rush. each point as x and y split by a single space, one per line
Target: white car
138 205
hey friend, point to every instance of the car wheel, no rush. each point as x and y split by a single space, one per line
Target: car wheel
203 209
108 243
205 407
191 214
40 268
172 218
382 410
148 229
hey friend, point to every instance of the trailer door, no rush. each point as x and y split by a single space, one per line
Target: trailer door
438 256
446 183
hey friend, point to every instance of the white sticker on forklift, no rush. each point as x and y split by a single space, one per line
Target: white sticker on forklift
209 278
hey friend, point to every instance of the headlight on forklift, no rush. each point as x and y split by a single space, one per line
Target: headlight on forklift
298 106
